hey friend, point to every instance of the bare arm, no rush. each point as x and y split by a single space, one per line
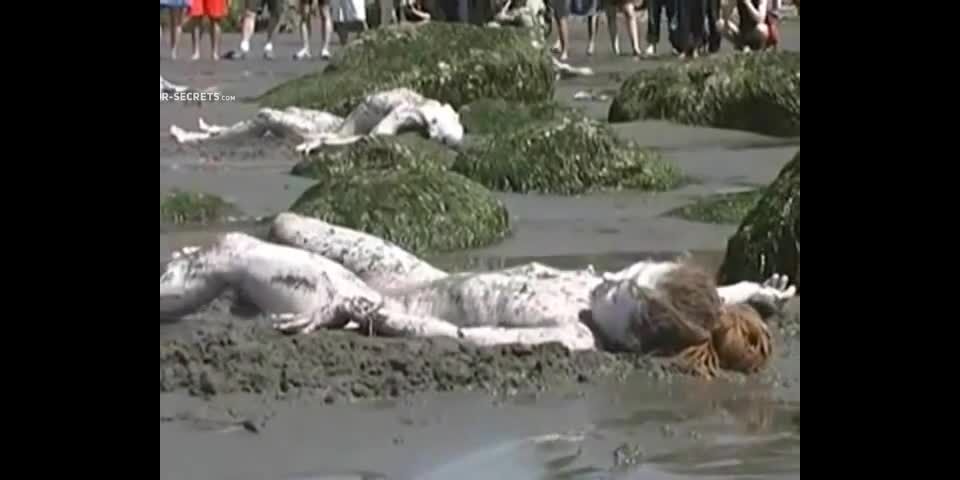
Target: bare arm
575 337
772 293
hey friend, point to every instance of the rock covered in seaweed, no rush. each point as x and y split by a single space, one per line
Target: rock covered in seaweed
375 154
768 241
556 150
453 63
194 208
403 195
757 92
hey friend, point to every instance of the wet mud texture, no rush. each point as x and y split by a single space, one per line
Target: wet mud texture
343 366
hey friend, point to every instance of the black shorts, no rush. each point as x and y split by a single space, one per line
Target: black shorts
275 6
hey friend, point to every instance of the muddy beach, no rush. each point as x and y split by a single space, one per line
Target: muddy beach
233 406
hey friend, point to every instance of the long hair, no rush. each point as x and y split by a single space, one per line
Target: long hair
684 317
742 340
681 311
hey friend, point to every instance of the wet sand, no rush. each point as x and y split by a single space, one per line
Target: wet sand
685 428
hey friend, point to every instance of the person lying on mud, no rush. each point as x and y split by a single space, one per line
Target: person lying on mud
386 113
756 28
313 275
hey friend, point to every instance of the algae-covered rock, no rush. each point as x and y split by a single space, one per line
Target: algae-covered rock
768 241
451 62
420 209
497 116
182 208
569 155
758 92
725 208
376 154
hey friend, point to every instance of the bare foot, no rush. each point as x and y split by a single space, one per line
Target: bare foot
590 49
195 56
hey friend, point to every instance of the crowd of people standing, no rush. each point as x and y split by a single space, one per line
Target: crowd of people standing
694 27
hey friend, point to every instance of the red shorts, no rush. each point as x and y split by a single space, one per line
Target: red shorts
215 9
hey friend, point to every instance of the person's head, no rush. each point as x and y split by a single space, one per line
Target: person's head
443 123
681 314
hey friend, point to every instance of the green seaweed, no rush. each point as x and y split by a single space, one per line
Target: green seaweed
768 241
757 92
726 208
498 117
451 63
192 208
568 155
375 154
424 210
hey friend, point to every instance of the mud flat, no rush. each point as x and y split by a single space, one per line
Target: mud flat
346 406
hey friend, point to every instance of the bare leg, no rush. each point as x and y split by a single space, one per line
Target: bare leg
296 123
394 268
305 20
564 34
196 28
176 28
189 282
249 25
612 27
272 28
303 290
631 18
326 28
247 128
593 25
215 38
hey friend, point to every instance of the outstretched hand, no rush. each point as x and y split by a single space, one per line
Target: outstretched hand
776 292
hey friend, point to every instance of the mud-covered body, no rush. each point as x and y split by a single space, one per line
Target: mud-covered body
348 275
385 113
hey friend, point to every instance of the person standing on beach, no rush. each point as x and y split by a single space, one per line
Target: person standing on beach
689 34
175 10
326 28
214 11
655 12
561 15
250 22
629 11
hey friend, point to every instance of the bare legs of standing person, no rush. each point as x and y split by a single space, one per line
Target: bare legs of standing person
561 13
593 26
326 28
630 16
176 29
250 23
